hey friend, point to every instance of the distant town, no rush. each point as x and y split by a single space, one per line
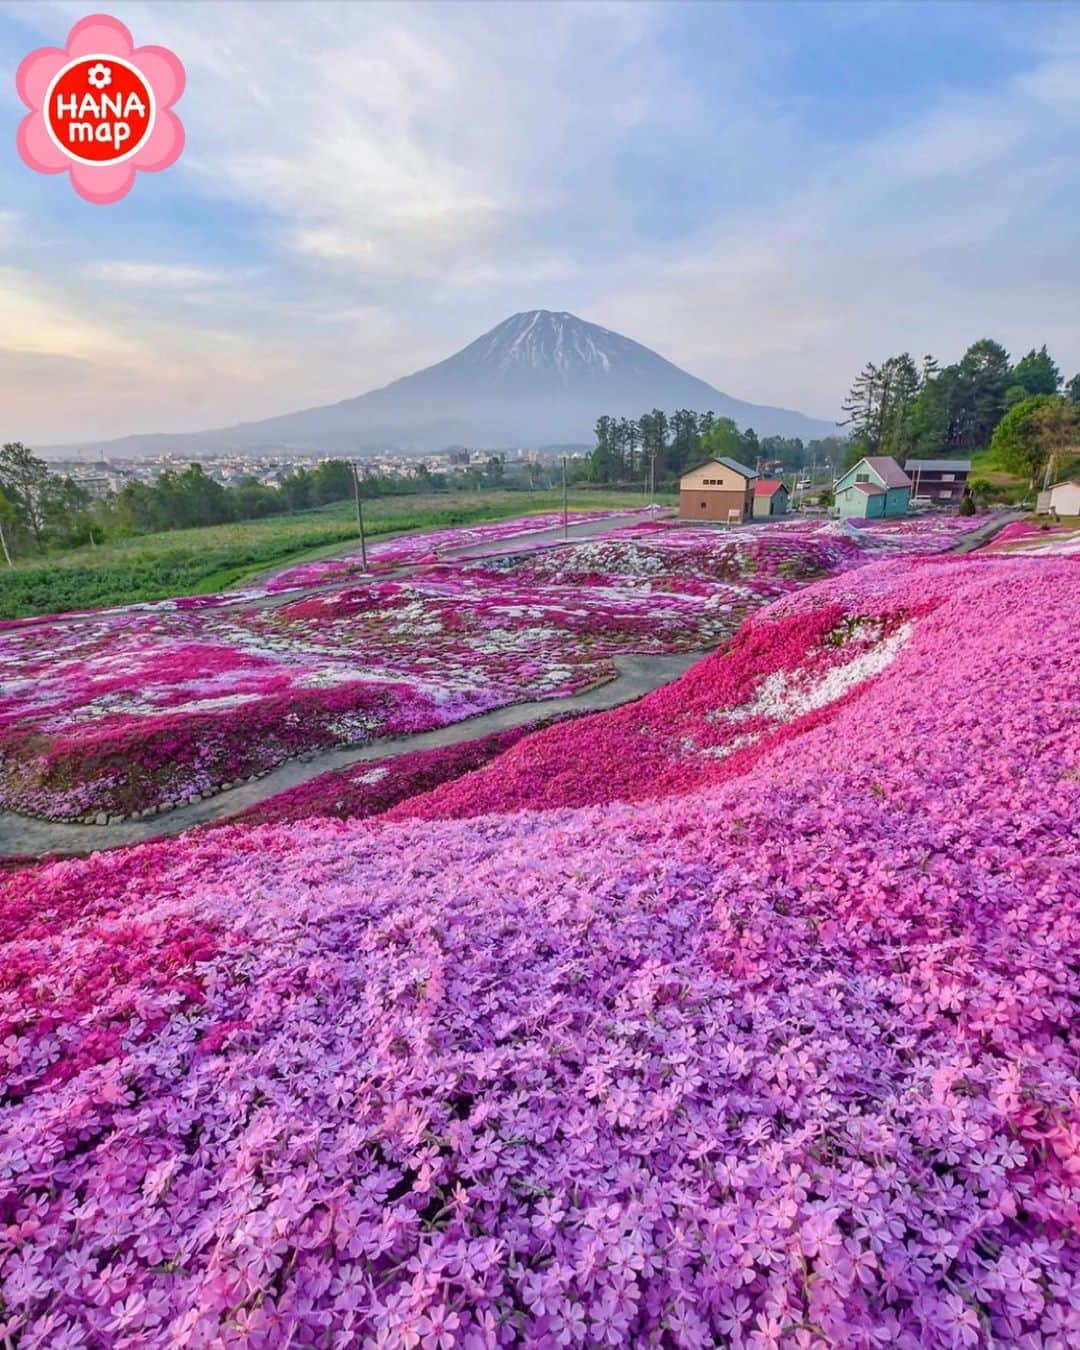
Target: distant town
108 474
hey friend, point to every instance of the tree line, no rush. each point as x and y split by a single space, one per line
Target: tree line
1023 411
627 450
40 509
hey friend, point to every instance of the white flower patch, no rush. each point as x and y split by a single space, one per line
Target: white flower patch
689 746
373 776
783 697
203 704
330 678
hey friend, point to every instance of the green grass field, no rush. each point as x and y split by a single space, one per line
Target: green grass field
195 562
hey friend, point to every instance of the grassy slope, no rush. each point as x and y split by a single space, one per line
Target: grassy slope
191 562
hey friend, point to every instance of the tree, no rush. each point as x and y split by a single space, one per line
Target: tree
253 500
1037 373
298 489
333 481
879 406
24 481
1072 389
1033 434
967 505
722 439
7 519
603 461
653 427
685 440
862 407
982 377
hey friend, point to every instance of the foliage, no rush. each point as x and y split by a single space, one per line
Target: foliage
879 407
900 410
1034 433
35 505
666 446
1037 373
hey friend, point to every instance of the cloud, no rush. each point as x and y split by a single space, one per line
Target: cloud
927 236
156 274
367 187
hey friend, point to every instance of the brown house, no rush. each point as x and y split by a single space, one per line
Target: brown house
720 489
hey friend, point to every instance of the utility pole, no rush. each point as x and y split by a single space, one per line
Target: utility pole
564 508
652 477
359 515
4 545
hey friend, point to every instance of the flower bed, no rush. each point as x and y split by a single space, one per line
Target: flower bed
786 1060
1027 536
127 713
373 786
426 547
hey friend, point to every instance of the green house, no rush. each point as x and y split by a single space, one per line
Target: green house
874 488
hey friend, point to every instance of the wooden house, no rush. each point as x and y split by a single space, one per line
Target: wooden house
874 488
942 482
720 489
770 498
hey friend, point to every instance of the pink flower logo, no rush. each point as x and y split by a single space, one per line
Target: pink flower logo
100 108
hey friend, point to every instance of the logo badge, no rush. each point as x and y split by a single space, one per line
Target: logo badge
100 109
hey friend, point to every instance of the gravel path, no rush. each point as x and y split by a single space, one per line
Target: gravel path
986 532
21 836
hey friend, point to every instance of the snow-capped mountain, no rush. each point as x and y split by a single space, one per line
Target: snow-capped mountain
537 378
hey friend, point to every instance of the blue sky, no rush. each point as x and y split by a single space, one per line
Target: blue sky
767 194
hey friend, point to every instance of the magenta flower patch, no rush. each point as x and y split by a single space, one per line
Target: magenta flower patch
100 108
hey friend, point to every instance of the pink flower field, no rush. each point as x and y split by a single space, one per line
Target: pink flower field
747 1014
128 712
414 549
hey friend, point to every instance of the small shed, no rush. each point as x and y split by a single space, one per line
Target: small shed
1065 497
770 498
876 487
720 489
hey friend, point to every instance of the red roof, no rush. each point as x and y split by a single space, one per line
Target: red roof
871 489
768 486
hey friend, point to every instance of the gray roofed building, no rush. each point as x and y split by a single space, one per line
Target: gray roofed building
938 466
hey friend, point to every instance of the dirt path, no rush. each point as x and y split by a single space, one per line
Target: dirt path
21 836
984 533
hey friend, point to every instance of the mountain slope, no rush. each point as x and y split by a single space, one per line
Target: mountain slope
536 378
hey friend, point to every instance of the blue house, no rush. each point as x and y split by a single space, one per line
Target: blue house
875 487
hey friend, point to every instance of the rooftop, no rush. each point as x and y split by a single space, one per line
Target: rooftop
944 465
887 469
727 462
766 487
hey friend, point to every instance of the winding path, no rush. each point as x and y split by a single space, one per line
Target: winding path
23 837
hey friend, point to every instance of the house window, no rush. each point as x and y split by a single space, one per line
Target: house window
948 478
704 506
862 478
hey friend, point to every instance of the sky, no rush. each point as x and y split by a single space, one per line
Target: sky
768 195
